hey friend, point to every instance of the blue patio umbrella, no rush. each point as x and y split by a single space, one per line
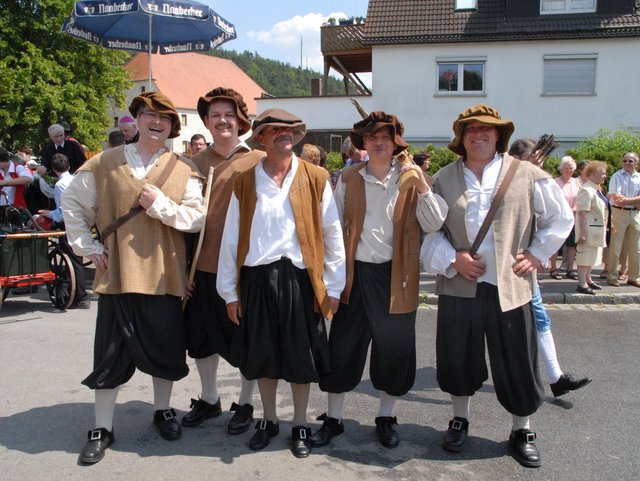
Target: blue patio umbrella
167 26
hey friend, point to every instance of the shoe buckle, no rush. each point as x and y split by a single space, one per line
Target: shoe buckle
95 435
167 415
531 437
303 433
456 424
262 425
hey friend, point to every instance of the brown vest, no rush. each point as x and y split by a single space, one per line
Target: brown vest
225 171
405 263
513 229
306 201
145 256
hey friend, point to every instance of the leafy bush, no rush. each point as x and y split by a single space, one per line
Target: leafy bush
334 161
608 146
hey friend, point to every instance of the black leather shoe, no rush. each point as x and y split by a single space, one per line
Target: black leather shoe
201 410
523 448
456 435
300 441
167 424
386 432
265 430
568 383
330 427
99 441
594 286
585 290
241 420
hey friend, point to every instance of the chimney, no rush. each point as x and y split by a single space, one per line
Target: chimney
316 87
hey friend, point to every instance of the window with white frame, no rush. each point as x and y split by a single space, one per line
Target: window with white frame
567 6
183 119
466 4
459 76
570 74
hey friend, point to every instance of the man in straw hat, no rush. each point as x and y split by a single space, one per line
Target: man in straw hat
209 331
140 262
382 228
488 295
281 271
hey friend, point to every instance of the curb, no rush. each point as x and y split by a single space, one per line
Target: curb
431 299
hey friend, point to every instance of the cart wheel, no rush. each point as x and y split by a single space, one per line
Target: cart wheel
62 291
3 295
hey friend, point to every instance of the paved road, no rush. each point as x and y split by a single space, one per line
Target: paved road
45 413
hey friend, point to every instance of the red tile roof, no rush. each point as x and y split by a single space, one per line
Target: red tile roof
184 77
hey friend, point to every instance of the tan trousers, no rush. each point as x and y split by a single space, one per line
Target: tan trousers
625 229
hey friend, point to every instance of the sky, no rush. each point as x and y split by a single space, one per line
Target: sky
274 28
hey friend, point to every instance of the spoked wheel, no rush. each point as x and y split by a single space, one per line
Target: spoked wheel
62 291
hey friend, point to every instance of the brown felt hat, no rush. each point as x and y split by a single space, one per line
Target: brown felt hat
485 115
222 93
276 118
374 122
159 103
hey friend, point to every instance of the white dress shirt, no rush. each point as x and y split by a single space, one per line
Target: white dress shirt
80 204
376 239
554 220
273 235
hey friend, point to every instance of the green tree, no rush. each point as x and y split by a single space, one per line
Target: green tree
47 76
608 146
278 78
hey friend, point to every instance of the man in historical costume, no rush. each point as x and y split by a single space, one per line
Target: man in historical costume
382 229
140 262
624 195
13 179
60 145
209 330
281 270
488 295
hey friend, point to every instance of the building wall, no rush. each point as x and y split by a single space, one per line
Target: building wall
404 82
513 84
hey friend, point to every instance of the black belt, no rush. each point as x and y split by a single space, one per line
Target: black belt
624 208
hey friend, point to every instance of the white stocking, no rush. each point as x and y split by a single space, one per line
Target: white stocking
208 371
104 407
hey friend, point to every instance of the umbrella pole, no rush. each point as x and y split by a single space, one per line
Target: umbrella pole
150 72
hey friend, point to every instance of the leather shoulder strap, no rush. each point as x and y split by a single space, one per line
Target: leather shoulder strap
136 209
497 200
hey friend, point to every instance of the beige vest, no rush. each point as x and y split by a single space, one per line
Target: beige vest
225 171
405 263
145 256
513 229
305 196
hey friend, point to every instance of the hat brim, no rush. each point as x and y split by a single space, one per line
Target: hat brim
505 130
357 140
299 131
203 110
160 105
